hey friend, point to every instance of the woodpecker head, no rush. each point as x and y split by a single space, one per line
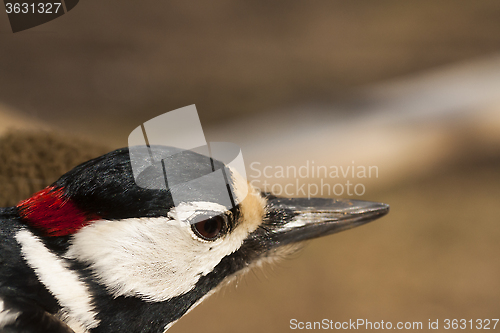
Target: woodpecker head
132 258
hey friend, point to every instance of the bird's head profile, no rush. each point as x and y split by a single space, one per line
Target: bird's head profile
109 249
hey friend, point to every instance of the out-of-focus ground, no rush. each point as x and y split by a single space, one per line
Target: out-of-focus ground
410 87
109 65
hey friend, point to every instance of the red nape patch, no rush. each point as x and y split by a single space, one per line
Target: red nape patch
50 211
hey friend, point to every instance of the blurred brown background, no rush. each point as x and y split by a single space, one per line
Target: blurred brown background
412 87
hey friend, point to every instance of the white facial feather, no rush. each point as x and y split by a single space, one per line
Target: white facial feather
75 325
186 212
7 316
63 283
153 258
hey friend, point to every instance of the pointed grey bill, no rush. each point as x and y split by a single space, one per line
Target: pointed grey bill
291 220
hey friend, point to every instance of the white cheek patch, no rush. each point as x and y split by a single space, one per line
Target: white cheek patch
63 283
151 258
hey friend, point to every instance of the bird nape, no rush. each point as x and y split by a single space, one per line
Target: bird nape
96 252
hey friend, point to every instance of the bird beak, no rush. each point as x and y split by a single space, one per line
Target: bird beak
291 220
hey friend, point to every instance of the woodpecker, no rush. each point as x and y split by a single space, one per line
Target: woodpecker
95 252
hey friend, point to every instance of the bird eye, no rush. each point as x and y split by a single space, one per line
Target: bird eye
209 229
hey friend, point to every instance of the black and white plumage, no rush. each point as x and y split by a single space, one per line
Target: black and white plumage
96 253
